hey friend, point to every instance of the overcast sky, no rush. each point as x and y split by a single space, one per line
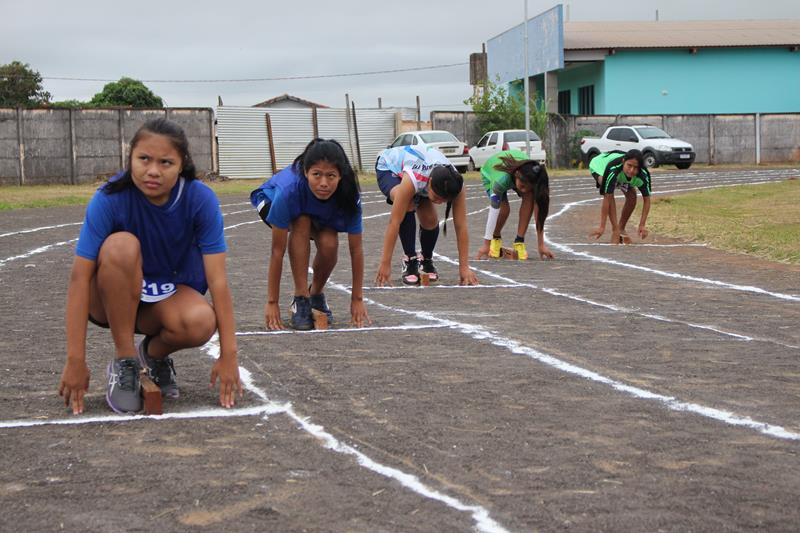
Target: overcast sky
239 39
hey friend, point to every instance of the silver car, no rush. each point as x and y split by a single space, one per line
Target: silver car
444 141
500 140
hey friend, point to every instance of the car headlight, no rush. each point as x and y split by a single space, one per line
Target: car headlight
664 148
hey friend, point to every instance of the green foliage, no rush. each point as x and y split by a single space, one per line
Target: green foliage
498 109
21 86
574 147
126 92
69 104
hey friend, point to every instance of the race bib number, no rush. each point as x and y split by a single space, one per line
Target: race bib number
155 292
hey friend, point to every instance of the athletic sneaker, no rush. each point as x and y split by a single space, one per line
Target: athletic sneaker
161 371
495 248
319 303
301 314
522 252
428 268
123 393
410 274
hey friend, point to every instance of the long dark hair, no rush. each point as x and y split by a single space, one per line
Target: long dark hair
170 130
447 183
634 154
348 191
534 174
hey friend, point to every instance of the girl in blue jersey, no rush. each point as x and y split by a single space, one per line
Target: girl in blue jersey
315 198
150 246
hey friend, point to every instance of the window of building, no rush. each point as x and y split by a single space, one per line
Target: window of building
564 103
586 100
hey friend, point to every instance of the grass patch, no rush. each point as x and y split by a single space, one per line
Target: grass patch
760 220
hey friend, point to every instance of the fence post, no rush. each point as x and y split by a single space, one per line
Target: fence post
121 133
358 144
73 150
758 138
711 141
21 146
273 163
315 122
419 115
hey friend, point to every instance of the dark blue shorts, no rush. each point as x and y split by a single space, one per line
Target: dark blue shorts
388 180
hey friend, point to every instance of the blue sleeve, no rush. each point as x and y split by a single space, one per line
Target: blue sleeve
98 224
208 224
355 226
280 215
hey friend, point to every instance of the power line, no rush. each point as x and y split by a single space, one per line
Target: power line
281 78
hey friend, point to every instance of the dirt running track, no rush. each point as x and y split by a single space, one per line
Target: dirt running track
616 388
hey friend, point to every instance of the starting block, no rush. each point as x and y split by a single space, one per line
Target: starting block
320 319
624 239
151 393
424 279
508 253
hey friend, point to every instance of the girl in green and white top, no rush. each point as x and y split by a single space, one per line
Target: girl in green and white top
513 170
626 171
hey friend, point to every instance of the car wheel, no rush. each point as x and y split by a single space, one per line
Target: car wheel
471 166
462 169
683 166
650 160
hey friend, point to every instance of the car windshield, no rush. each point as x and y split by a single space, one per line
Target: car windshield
438 137
651 132
519 136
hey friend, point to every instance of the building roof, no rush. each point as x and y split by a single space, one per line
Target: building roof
680 34
284 97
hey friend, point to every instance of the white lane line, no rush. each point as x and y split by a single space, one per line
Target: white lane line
205 413
43 228
480 515
664 273
623 310
437 286
478 332
637 245
337 330
35 251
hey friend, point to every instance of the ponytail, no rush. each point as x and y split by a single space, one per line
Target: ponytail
446 182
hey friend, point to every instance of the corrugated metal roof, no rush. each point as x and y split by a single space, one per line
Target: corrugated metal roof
680 34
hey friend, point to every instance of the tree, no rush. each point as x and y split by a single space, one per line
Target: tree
21 86
126 92
498 109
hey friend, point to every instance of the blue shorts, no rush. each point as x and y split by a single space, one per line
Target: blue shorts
388 180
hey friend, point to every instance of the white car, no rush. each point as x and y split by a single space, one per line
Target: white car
497 141
444 141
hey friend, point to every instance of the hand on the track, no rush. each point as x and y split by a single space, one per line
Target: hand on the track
227 370
358 313
598 232
272 316
382 278
467 276
643 233
545 253
74 384
483 253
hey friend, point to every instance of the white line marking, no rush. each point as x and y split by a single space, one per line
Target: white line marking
435 286
618 309
480 515
480 333
35 251
33 230
674 275
205 413
337 330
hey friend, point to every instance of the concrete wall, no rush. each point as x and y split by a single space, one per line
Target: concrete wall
717 139
45 146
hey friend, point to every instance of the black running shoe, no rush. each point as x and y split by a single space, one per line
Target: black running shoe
410 274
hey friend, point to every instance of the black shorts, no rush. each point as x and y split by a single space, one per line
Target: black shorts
388 180
135 327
